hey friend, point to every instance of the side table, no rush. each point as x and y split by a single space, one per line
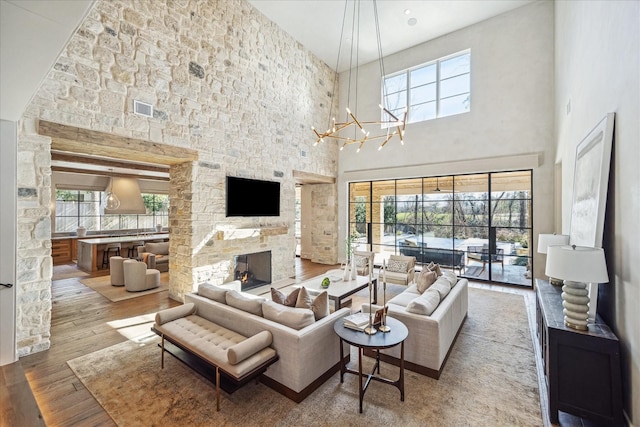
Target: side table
380 340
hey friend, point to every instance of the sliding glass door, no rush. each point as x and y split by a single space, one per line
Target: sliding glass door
479 225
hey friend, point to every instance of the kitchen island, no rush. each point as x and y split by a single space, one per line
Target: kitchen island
90 251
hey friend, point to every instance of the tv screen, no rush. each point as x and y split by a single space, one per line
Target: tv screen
252 197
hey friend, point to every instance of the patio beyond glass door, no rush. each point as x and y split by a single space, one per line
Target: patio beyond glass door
478 225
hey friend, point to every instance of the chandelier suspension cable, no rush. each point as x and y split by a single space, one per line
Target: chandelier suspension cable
351 120
335 80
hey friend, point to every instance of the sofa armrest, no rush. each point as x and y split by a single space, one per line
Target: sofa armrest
174 313
247 348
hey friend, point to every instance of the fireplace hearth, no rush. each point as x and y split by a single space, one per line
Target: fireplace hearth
253 270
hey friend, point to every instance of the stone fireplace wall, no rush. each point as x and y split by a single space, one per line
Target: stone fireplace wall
225 81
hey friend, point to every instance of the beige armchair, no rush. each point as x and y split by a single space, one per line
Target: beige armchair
155 255
137 277
400 269
362 260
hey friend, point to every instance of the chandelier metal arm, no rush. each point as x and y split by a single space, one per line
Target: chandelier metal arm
334 132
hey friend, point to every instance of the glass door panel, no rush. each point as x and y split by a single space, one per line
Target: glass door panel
477 224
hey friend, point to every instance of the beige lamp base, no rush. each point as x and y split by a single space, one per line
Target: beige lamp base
575 303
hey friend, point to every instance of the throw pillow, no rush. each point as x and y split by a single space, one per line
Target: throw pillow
425 304
436 268
361 261
424 279
288 300
213 292
319 305
296 318
241 302
397 266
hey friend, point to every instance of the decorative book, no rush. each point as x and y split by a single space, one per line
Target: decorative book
357 321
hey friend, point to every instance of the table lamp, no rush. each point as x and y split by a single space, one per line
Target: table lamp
577 266
546 240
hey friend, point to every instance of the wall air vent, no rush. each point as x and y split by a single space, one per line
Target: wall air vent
142 108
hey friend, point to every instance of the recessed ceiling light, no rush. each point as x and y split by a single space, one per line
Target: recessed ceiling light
412 21
407 11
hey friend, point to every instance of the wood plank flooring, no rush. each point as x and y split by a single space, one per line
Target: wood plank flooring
80 325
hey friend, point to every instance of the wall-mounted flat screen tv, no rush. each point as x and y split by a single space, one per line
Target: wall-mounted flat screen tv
252 197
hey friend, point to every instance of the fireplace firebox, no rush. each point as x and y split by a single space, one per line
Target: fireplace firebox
253 270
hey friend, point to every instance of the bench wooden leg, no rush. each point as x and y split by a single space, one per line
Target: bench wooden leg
217 389
162 354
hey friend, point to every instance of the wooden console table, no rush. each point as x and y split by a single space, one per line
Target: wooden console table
582 368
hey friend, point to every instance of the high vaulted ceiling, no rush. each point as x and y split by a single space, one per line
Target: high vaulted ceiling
33 33
317 24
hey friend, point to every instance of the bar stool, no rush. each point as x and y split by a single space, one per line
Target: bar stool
110 247
133 249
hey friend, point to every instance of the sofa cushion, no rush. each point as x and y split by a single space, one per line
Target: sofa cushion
319 305
397 266
451 277
244 303
405 297
213 292
158 248
288 300
424 279
247 348
442 286
426 303
296 318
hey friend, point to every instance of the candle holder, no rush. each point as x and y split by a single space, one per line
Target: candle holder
383 327
370 329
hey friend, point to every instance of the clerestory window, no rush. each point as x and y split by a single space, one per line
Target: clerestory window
437 89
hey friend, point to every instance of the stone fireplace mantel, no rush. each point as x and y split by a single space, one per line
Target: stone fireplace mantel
246 233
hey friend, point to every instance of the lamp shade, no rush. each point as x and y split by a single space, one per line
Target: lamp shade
546 240
577 264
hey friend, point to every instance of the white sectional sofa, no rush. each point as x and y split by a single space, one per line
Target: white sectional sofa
307 356
430 336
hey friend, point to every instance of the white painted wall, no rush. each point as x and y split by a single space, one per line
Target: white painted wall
598 70
511 113
8 224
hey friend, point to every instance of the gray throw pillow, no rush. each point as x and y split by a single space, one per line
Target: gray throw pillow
319 305
288 300
425 279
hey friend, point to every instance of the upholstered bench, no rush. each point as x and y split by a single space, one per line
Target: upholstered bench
237 357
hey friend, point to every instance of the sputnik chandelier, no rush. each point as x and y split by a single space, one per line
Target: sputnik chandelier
389 125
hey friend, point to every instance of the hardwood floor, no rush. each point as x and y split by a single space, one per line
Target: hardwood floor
80 325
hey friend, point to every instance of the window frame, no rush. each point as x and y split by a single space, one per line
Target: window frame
408 89
100 218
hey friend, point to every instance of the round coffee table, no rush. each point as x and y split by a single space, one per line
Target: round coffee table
378 341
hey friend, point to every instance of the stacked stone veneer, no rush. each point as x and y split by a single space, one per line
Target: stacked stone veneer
224 81
34 262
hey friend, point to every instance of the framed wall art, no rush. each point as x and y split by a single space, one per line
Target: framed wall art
590 183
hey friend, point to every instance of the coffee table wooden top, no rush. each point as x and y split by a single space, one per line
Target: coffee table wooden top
340 289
